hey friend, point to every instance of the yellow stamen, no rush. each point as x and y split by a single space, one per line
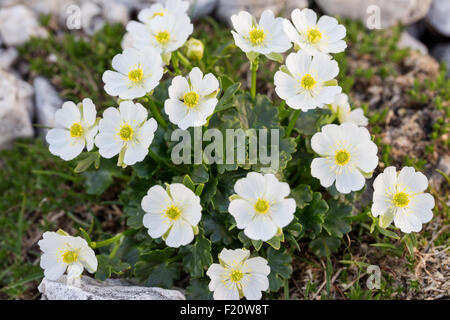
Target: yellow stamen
70 257
126 132
191 99
342 157
257 36
236 275
262 206
401 199
308 82
162 37
173 213
136 75
160 14
314 35
76 130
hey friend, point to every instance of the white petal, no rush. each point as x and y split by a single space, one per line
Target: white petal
242 211
181 234
233 256
223 293
156 201
68 114
156 223
323 170
415 181
349 180
261 228
282 212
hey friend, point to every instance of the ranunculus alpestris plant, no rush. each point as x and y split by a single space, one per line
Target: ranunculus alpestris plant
245 213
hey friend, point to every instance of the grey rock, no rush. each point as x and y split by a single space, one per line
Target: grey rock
7 57
16 109
18 24
439 16
47 101
442 53
115 12
391 12
408 41
110 289
199 8
437 179
226 8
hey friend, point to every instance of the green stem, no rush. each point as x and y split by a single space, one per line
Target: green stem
156 113
292 122
107 241
254 68
286 289
183 60
163 162
114 250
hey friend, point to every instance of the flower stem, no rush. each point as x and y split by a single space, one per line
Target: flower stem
292 122
163 162
254 68
113 239
156 113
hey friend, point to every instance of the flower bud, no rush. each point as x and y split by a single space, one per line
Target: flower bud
194 49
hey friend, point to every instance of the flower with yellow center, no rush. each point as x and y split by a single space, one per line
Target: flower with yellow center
125 131
136 75
400 197
347 155
324 35
314 35
260 206
341 108
192 99
136 72
172 214
63 252
175 8
306 82
342 157
257 36
164 33
76 129
265 37
236 276
162 37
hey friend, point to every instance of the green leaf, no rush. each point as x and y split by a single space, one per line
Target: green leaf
388 233
384 245
189 183
275 57
280 267
85 160
200 174
163 276
312 216
97 181
324 245
215 227
276 241
199 189
226 101
310 122
198 290
252 55
197 256
154 268
336 219
302 195
108 266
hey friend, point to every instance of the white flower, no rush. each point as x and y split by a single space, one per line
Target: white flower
138 72
173 7
400 197
261 208
341 108
77 129
125 131
164 33
172 214
192 100
347 156
314 36
264 37
305 83
237 276
61 252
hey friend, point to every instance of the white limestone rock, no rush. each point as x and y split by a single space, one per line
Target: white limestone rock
110 289
8 57
47 101
391 12
18 24
439 16
408 41
16 109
